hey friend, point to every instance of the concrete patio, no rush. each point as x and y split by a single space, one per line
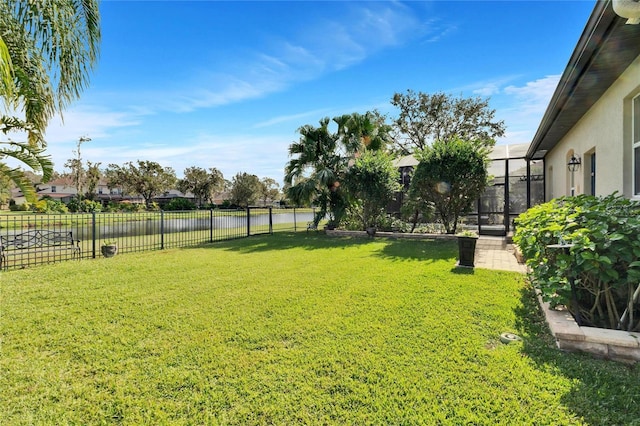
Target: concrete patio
497 253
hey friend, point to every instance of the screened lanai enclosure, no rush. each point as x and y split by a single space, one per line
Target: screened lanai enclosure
515 185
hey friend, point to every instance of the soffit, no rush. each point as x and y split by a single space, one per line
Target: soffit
605 49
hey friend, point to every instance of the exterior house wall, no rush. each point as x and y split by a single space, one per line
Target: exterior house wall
604 130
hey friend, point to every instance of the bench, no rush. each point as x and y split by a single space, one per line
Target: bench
311 226
38 242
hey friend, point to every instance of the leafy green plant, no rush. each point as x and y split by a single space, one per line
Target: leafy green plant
467 233
389 223
451 175
371 183
602 259
179 204
416 210
84 206
320 159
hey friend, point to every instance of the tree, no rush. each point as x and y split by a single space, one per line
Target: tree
427 118
93 176
47 50
202 184
416 210
148 179
245 189
451 175
321 157
78 174
269 190
371 183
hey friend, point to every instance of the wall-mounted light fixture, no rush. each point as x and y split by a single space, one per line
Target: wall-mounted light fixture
574 163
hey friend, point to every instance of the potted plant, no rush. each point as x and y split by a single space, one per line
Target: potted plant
467 248
109 248
371 230
331 225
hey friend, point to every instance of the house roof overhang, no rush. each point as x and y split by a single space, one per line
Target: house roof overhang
605 49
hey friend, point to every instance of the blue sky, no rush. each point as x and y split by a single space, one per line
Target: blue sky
227 84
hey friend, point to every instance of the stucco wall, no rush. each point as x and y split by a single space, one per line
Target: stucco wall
606 130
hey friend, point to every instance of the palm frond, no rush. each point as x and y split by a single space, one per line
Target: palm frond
18 177
7 85
30 155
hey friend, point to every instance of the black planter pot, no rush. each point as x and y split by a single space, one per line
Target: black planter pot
467 251
109 251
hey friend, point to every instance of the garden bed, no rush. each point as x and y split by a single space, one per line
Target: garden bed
616 345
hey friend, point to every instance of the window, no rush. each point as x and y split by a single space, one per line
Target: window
592 176
53 188
635 117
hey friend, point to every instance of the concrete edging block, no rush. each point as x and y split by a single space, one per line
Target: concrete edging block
616 345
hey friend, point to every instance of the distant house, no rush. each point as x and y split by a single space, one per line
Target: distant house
595 112
61 189
172 194
106 195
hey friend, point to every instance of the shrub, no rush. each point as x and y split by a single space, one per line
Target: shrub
51 206
602 261
391 224
451 176
179 204
14 207
131 207
371 183
84 206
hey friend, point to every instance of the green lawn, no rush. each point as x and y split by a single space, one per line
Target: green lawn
291 329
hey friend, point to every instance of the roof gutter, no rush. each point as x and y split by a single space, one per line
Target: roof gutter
580 59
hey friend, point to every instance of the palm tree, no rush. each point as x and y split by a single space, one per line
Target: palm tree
321 157
47 50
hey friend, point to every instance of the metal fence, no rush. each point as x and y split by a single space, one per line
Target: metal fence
24 245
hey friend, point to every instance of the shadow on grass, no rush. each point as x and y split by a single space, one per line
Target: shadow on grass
604 392
283 241
424 250
462 270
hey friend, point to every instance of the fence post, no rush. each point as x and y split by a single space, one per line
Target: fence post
271 220
93 236
210 225
295 221
161 229
248 221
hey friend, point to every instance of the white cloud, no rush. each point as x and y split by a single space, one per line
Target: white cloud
264 156
87 121
534 95
485 88
525 106
318 47
436 31
315 114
